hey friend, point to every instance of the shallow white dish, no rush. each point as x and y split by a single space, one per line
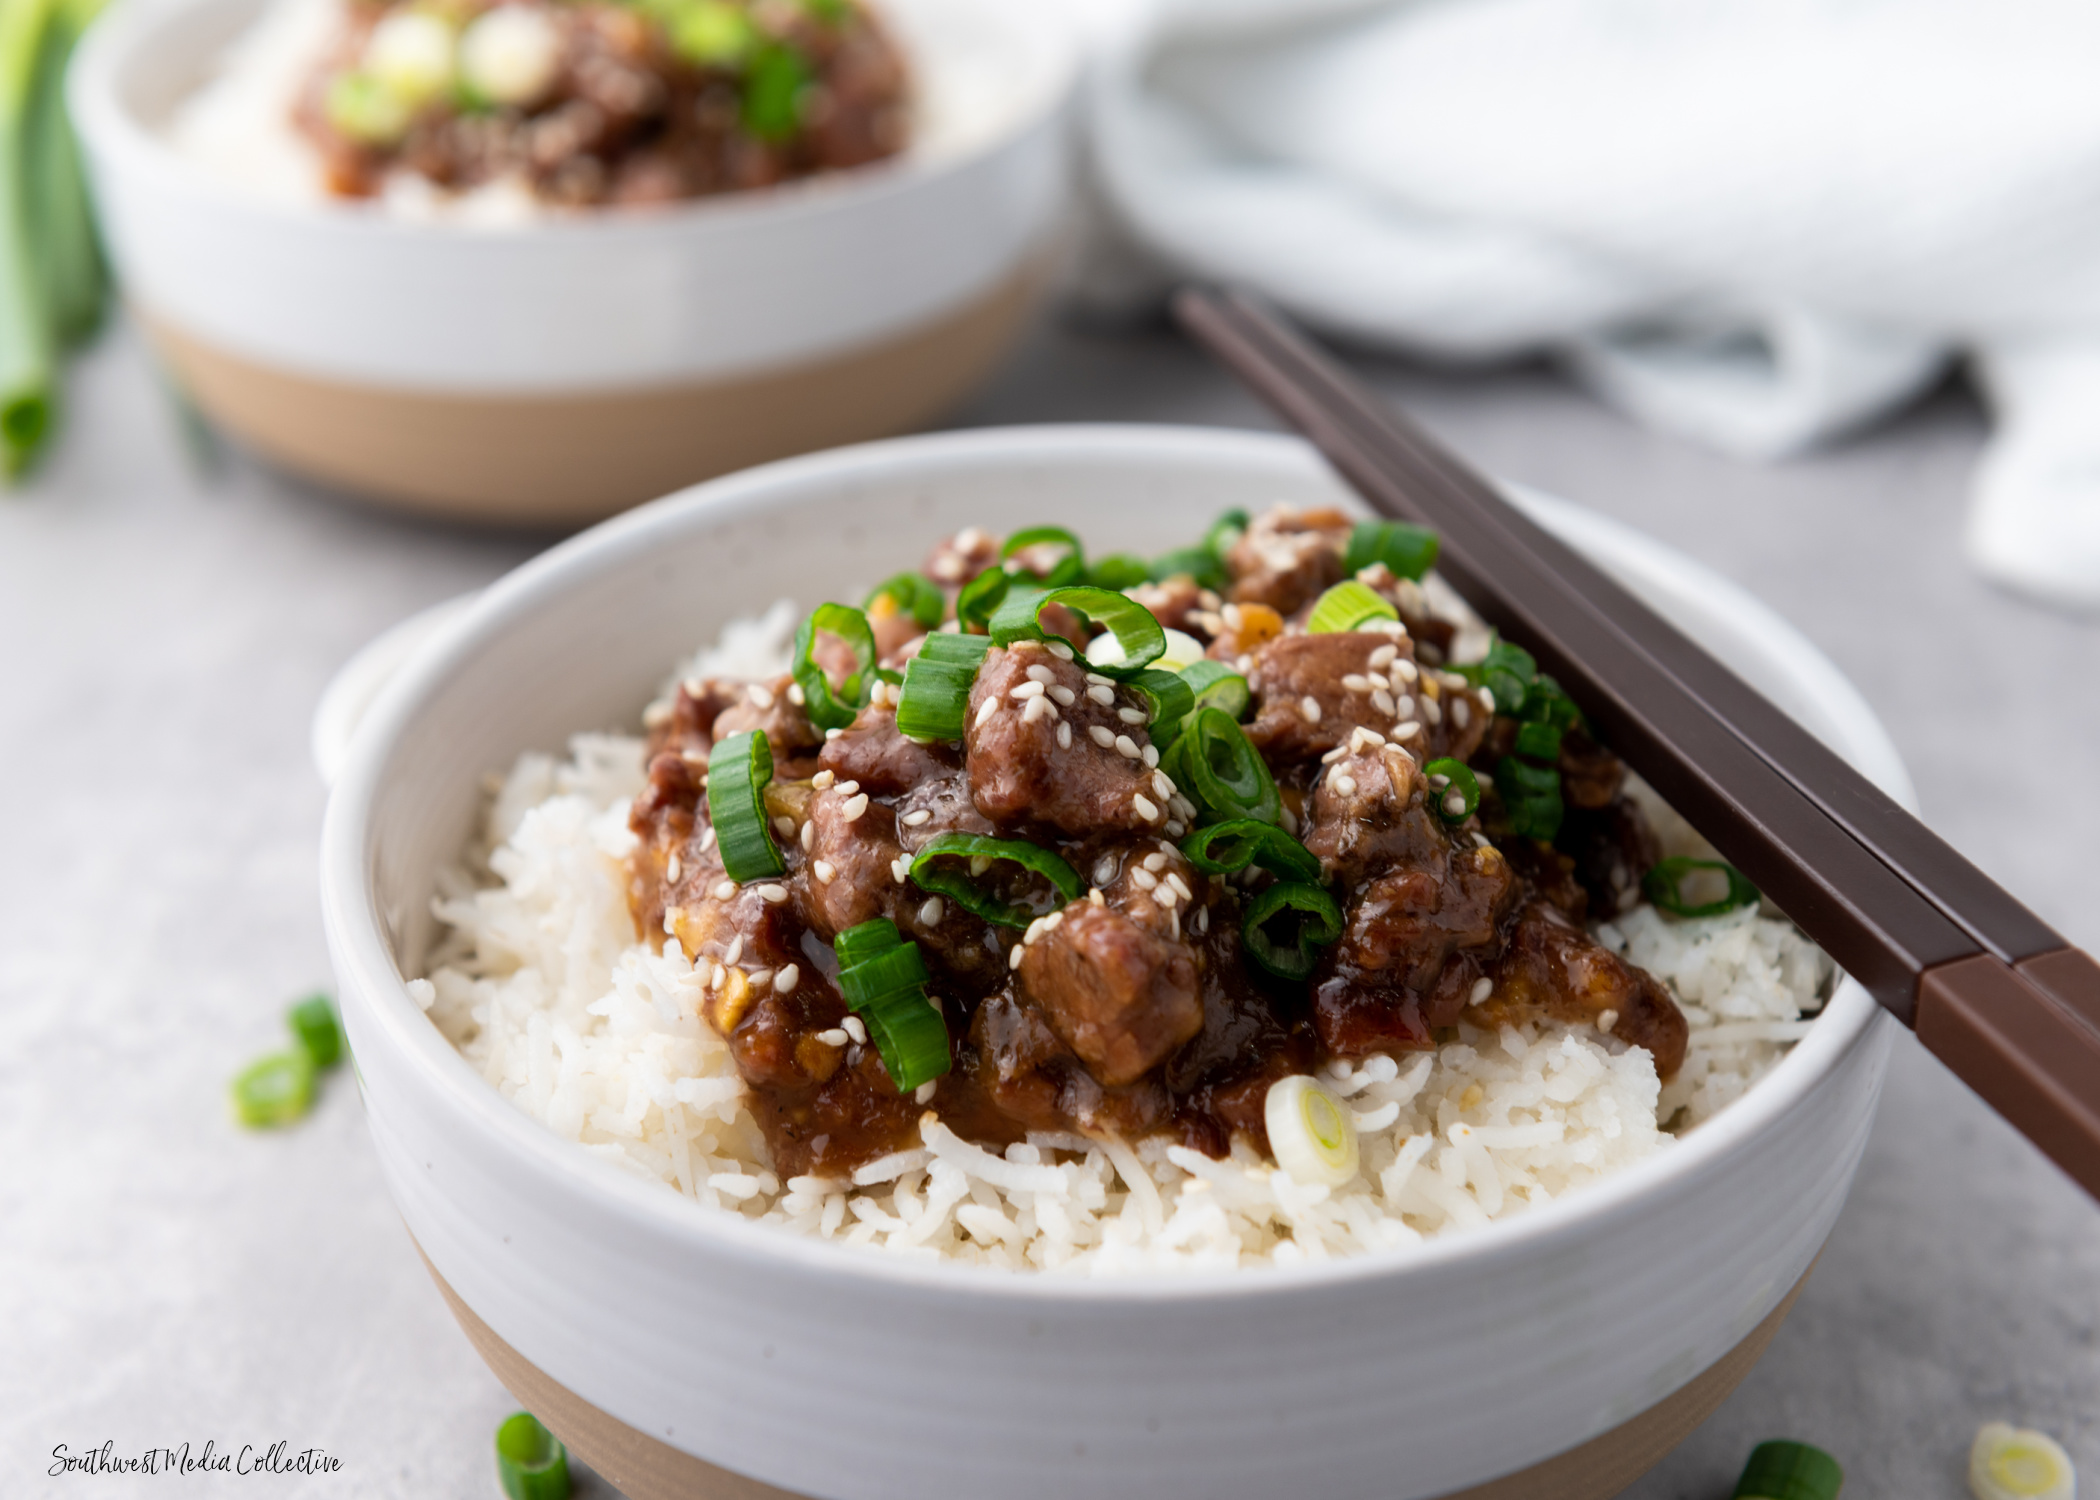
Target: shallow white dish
836 1373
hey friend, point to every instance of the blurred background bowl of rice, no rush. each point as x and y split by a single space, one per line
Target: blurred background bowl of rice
553 368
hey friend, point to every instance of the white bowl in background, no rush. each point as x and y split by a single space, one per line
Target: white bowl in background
618 1307
567 367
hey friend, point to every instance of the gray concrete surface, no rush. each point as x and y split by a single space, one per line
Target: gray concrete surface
166 627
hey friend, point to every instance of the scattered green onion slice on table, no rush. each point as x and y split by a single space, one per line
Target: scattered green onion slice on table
1067 569
1287 925
1218 686
274 1090
1348 606
738 769
1231 846
1789 1471
1310 1135
884 981
913 594
531 1463
1409 551
1118 570
1217 767
935 700
1135 628
1458 782
2012 1463
826 709
313 1022
1531 796
934 869
1664 885
1170 699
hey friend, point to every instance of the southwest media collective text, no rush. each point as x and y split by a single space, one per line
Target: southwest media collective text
278 1458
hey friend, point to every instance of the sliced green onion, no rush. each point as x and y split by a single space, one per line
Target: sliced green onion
1217 767
1664 885
313 1022
1225 848
935 700
1014 619
914 595
1789 1471
884 981
1170 699
826 710
775 86
1068 569
1348 606
1454 789
738 769
1199 563
981 595
1507 671
712 34
1410 551
1118 570
1135 628
1286 927
531 1463
1539 741
934 870
1531 794
1218 686
2014 1463
1310 1135
1225 531
274 1090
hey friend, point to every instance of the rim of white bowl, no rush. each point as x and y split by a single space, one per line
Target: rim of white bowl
106 125
356 935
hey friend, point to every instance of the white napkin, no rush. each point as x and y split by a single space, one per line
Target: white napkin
1754 222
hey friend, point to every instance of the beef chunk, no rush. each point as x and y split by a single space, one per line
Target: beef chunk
1120 996
1036 753
1407 922
1312 690
956 560
1369 811
871 752
1287 557
1553 969
1175 601
772 709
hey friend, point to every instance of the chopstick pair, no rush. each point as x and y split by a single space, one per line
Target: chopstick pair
1992 990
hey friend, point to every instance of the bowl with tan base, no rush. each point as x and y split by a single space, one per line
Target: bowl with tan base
685 1350
562 368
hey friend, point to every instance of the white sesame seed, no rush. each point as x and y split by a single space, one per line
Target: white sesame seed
707 839
825 871
1378 679
848 788
671 869
1131 715
760 695
1054 921
1404 706
1482 988
809 836
1405 671
735 950
914 819
1202 921
718 977
1288 820
1151 757
1460 713
693 687
1164 785
1042 674
1155 862
1181 887
784 825
1356 682
760 978
822 780
1095 679
1176 827
785 981
1607 1020
796 696
1035 930
835 1037
1059 650
930 911
1167 896
1064 736
854 1027
985 710
832 734
1126 747
1339 752
1344 784
900 867
1309 706
1244 664
1406 731
772 895
725 890
1487 699
1065 696
1143 878
1039 708
1146 807
670 921
1095 897
1383 702
855 806
1028 689
1383 657
1013 959
1480 841
925 1091
1105 696
1100 735
979 863
1455 804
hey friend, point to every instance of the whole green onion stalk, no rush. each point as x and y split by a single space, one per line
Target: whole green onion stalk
53 280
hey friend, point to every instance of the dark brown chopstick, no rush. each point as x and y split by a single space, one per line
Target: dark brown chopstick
1930 935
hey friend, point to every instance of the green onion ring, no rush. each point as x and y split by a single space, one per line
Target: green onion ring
883 979
1459 778
320 1034
1224 848
738 769
531 1463
825 710
928 874
1225 531
1118 570
1348 606
274 1090
1218 686
913 594
1320 924
1068 569
1170 699
981 595
935 699
1663 885
1217 767
1409 551
1199 563
1531 794
1136 630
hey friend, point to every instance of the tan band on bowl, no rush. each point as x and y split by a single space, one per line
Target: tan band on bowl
566 459
644 1468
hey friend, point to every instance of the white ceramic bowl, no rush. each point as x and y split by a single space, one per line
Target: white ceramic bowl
565 368
849 1374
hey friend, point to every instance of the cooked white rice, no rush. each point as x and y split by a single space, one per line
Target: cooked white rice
540 983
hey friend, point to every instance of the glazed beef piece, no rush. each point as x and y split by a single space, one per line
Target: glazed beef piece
956 560
871 751
1369 811
1313 691
1287 557
1551 968
774 709
1611 848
